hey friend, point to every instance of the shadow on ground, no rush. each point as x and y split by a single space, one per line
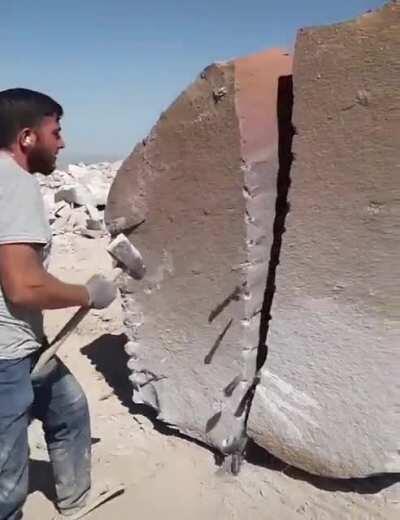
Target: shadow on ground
109 358
371 485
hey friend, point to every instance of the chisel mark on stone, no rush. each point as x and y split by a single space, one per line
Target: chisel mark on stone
213 421
232 297
229 389
210 355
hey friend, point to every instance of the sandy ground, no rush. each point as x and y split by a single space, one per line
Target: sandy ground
166 476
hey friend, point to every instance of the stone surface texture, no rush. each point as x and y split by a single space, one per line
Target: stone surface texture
197 198
329 398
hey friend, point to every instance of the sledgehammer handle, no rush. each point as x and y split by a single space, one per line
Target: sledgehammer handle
65 332
61 337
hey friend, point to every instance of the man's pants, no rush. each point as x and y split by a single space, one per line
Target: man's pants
56 398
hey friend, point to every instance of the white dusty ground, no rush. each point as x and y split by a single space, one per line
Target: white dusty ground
166 476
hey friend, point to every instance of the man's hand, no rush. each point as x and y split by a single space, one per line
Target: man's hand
101 291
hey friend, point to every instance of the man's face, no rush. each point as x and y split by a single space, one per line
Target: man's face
42 156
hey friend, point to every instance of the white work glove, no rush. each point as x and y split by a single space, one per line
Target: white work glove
101 291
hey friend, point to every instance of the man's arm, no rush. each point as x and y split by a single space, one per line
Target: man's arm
26 283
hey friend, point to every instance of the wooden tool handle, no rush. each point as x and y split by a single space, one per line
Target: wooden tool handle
61 337
65 332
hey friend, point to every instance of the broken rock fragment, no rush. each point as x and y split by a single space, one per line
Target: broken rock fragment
75 194
329 397
197 198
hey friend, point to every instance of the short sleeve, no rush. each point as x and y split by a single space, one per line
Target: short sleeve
22 213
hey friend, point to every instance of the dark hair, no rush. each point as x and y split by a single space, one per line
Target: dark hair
22 108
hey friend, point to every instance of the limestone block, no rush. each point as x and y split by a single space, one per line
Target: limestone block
197 198
75 194
329 397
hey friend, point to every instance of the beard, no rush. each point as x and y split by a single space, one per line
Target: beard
41 161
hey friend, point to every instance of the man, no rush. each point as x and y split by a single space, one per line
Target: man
30 139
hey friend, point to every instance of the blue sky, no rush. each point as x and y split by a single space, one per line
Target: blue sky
114 65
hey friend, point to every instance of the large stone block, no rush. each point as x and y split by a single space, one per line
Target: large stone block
329 398
197 198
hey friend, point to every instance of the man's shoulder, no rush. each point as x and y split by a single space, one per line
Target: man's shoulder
22 212
7 169
15 181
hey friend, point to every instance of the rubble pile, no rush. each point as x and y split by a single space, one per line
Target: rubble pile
75 199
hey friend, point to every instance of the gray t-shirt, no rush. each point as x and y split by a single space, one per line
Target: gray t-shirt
22 220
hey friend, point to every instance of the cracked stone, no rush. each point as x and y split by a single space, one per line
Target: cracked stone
197 166
328 401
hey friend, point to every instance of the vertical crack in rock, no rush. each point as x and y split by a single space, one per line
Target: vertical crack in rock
328 397
266 152
286 132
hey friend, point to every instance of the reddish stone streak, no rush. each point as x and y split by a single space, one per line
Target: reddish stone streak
256 86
